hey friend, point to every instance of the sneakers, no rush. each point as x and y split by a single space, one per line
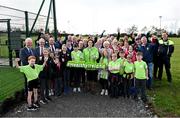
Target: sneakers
36 105
79 90
74 89
106 92
48 99
43 101
31 108
102 92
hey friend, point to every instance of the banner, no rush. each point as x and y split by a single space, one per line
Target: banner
86 65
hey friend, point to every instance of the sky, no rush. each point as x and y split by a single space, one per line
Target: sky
94 16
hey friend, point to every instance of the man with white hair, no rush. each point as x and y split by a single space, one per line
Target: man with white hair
148 50
24 54
26 51
40 48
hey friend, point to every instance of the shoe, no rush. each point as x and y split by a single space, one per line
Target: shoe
102 92
31 108
48 99
79 90
106 92
74 90
43 101
52 92
36 105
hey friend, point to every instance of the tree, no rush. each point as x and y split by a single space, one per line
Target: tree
132 29
144 30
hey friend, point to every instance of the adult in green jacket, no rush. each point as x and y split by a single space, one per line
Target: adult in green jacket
91 55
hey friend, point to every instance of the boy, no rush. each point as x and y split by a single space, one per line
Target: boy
141 75
128 75
32 72
113 67
76 56
121 62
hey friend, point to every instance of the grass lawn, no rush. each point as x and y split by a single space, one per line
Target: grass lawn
167 98
11 80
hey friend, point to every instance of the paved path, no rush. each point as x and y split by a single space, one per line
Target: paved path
85 105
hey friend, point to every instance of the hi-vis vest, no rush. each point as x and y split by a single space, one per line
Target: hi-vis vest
166 48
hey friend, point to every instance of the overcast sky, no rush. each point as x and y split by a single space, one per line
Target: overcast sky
93 16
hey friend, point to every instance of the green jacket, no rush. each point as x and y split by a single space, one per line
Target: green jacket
91 54
77 56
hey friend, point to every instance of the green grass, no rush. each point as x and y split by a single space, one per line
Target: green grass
11 80
167 98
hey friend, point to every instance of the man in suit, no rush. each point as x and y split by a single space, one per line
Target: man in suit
52 47
40 48
24 54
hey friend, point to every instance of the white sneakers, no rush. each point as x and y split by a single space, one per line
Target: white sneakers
77 89
104 92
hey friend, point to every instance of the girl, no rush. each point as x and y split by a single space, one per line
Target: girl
104 73
64 57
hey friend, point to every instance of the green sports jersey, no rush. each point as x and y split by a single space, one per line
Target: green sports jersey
104 72
31 73
90 54
128 67
140 69
114 65
121 63
77 56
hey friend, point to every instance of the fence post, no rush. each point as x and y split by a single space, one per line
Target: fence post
9 42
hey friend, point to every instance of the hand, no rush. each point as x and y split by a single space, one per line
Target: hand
17 59
147 77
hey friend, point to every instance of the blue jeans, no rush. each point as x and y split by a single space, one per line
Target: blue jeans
150 74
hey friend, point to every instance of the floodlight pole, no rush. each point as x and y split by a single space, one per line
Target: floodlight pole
37 17
55 22
47 21
27 24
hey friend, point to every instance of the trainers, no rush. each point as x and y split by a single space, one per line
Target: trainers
79 90
48 99
31 108
52 92
102 92
36 105
106 92
43 101
74 90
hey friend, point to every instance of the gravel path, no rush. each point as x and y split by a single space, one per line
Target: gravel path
85 105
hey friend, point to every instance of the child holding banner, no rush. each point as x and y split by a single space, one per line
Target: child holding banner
77 56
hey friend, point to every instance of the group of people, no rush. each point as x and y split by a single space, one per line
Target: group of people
131 64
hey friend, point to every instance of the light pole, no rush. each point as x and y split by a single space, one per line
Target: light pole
160 17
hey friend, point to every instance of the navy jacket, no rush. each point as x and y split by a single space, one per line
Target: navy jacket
148 52
24 54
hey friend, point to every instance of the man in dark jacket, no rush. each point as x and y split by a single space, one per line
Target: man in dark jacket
165 50
148 50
